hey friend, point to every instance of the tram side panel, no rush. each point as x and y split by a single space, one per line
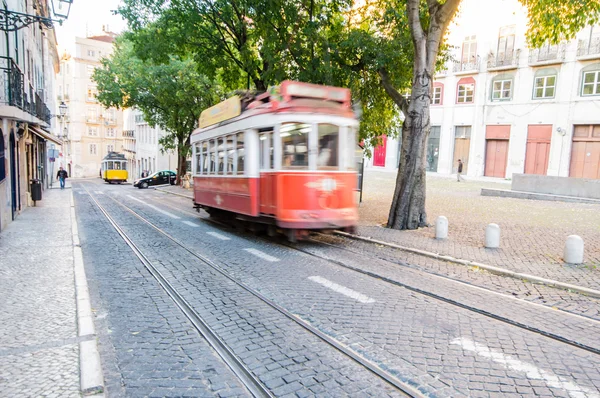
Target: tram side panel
238 195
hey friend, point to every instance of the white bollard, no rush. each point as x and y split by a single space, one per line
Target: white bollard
441 227
492 236
574 250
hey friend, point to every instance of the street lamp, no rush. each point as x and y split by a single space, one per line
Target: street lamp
11 21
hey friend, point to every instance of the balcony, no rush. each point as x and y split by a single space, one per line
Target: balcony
547 55
466 68
14 91
503 61
588 49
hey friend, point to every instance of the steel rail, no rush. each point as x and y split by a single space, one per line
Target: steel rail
402 386
252 383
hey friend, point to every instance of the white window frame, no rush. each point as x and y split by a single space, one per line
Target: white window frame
501 90
595 85
95 149
544 87
437 95
110 148
92 131
465 96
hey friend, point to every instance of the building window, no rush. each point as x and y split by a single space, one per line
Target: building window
506 43
501 90
465 92
92 92
591 83
469 49
91 115
93 149
90 70
110 148
110 115
544 87
92 131
438 90
111 132
91 53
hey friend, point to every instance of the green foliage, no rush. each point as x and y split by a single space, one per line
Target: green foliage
170 95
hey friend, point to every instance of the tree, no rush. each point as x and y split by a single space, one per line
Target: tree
170 95
427 22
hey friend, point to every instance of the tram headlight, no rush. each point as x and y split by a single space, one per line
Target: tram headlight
328 184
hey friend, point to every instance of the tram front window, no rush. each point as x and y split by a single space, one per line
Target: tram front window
294 141
327 157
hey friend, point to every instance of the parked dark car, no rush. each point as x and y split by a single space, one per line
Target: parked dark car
158 178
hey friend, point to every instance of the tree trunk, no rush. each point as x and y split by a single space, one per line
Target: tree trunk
408 205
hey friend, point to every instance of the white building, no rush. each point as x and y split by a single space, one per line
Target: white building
504 108
93 130
29 61
142 147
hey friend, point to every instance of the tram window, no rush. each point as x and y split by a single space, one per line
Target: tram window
109 165
198 157
351 149
294 141
205 158
327 157
117 166
213 157
230 150
240 152
266 150
221 154
123 165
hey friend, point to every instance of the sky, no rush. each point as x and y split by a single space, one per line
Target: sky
86 19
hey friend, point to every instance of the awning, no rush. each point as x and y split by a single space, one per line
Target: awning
44 134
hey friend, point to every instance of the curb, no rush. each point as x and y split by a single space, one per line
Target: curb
174 193
490 268
91 378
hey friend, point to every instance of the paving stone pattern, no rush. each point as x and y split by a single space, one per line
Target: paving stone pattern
412 335
38 351
533 233
148 347
288 360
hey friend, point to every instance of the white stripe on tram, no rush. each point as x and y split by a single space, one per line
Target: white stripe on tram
342 290
218 236
166 213
530 370
191 224
262 255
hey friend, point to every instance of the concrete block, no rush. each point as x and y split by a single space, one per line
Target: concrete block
573 250
441 228
492 236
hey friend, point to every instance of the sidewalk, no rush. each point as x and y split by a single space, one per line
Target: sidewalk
45 312
533 233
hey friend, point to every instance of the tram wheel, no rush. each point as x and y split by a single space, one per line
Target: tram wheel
292 235
272 230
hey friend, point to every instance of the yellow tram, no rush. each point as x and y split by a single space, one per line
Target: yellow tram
114 168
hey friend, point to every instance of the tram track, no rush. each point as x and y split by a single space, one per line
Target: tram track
254 385
433 295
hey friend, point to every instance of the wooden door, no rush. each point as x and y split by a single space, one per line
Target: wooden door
461 151
379 153
496 152
538 149
585 152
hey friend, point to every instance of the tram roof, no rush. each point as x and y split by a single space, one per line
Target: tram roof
290 97
114 156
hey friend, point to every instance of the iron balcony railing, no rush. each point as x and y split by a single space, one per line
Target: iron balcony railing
547 54
13 91
588 47
503 60
467 66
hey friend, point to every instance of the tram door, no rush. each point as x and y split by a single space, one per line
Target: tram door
267 178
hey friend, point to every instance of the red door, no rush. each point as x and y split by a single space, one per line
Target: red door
538 149
379 153
495 158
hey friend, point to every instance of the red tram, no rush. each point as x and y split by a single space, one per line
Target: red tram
285 162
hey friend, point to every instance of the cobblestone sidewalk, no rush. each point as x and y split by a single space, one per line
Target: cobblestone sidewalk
533 232
39 343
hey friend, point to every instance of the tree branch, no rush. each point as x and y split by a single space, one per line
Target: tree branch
392 92
414 21
440 16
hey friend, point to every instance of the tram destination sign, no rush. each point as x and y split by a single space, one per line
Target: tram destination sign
227 109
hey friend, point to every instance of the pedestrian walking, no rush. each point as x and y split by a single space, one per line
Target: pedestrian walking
459 171
62 175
